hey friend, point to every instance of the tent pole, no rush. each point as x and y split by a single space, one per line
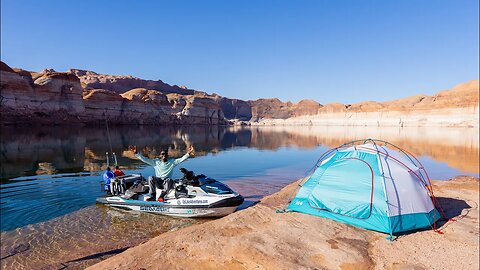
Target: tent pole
379 157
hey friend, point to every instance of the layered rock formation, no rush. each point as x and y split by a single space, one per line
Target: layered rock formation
50 97
79 96
455 107
33 97
121 84
236 109
276 109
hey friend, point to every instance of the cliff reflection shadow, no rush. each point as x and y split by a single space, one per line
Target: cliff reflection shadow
34 151
48 150
27 151
458 147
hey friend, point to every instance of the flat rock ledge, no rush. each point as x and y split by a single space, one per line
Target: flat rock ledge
260 238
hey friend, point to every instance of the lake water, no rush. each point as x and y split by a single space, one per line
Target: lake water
50 178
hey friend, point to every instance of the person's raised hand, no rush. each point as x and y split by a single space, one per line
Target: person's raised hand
133 148
191 150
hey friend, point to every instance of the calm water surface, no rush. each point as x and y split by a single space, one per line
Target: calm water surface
50 178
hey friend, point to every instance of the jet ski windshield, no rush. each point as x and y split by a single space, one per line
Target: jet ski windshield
212 186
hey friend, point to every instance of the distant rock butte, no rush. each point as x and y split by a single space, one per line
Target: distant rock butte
455 107
121 84
461 96
84 97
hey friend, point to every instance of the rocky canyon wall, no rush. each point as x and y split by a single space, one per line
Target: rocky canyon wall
85 97
455 107
455 117
50 97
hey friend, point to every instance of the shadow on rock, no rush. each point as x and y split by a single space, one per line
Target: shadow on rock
452 208
100 254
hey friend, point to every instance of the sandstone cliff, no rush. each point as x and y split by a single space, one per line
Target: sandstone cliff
455 107
121 84
33 97
50 97
275 109
86 97
236 109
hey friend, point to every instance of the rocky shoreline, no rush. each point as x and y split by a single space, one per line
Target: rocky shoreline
87 98
260 238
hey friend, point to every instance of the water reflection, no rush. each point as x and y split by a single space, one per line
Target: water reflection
457 147
50 179
33 151
54 171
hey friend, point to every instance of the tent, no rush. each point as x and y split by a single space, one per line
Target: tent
370 184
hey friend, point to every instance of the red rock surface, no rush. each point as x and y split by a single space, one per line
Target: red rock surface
50 97
121 84
260 238
274 108
79 96
462 95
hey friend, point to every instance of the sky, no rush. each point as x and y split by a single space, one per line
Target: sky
328 51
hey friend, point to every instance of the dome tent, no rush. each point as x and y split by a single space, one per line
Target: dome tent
370 185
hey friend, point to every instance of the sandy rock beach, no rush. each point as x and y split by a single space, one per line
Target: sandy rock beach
260 238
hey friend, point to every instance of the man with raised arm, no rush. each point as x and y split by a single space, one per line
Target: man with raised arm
163 171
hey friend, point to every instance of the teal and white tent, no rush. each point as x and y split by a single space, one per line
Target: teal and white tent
369 185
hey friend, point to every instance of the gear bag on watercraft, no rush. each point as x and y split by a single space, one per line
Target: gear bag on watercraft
136 188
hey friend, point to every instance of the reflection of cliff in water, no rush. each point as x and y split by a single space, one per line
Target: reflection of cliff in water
40 150
31 151
26 151
458 147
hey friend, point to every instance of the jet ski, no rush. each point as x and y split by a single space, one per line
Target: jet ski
191 196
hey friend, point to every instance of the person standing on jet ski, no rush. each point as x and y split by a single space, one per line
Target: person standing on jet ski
107 179
163 170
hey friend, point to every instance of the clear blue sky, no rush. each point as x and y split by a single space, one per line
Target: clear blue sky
329 51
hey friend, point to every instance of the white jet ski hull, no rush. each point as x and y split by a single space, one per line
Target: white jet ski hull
183 207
